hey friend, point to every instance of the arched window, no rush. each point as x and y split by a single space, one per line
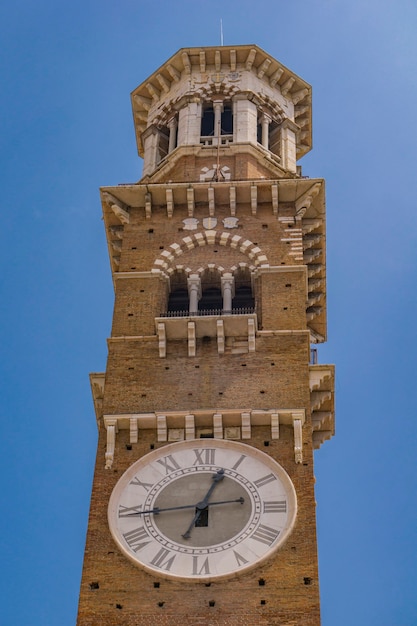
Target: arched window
178 298
243 290
207 121
227 120
211 293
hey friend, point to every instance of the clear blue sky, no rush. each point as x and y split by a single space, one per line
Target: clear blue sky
67 69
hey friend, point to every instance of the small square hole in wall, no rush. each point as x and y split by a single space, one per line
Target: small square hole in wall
150 230
262 391
212 603
272 364
307 580
156 585
167 367
161 247
133 268
142 291
197 367
130 314
143 395
134 248
288 285
285 308
263 602
128 446
152 446
261 582
119 606
266 444
264 225
161 604
180 230
94 585
204 433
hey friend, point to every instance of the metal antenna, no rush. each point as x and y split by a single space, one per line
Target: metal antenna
221 32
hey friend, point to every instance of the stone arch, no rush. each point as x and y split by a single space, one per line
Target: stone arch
165 263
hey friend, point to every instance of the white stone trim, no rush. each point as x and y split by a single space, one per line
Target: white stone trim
244 419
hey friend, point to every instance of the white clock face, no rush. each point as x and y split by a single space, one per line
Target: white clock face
202 509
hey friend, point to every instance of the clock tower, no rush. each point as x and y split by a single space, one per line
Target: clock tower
212 402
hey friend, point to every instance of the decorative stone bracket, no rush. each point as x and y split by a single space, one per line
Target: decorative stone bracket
111 427
322 403
228 424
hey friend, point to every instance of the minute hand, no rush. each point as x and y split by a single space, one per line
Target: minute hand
157 510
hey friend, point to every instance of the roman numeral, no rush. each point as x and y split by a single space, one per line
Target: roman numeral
169 463
239 558
275 506
160 560
239 461
137 538
264 480
139 483
265 534
125 511
200 568
206 456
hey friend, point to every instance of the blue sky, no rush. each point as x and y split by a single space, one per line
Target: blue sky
67 69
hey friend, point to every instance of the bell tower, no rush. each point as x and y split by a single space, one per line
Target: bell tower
212 402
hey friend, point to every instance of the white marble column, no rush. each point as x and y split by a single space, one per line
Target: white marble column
194 292
227 282
172 126
265 122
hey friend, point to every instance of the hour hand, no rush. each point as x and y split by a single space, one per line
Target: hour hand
200 506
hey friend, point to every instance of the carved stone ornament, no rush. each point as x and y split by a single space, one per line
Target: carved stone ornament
209 223
230 222
223 173
190 223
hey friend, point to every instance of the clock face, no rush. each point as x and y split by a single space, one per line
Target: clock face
202 509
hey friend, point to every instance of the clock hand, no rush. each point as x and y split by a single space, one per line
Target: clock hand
157 510
200 506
